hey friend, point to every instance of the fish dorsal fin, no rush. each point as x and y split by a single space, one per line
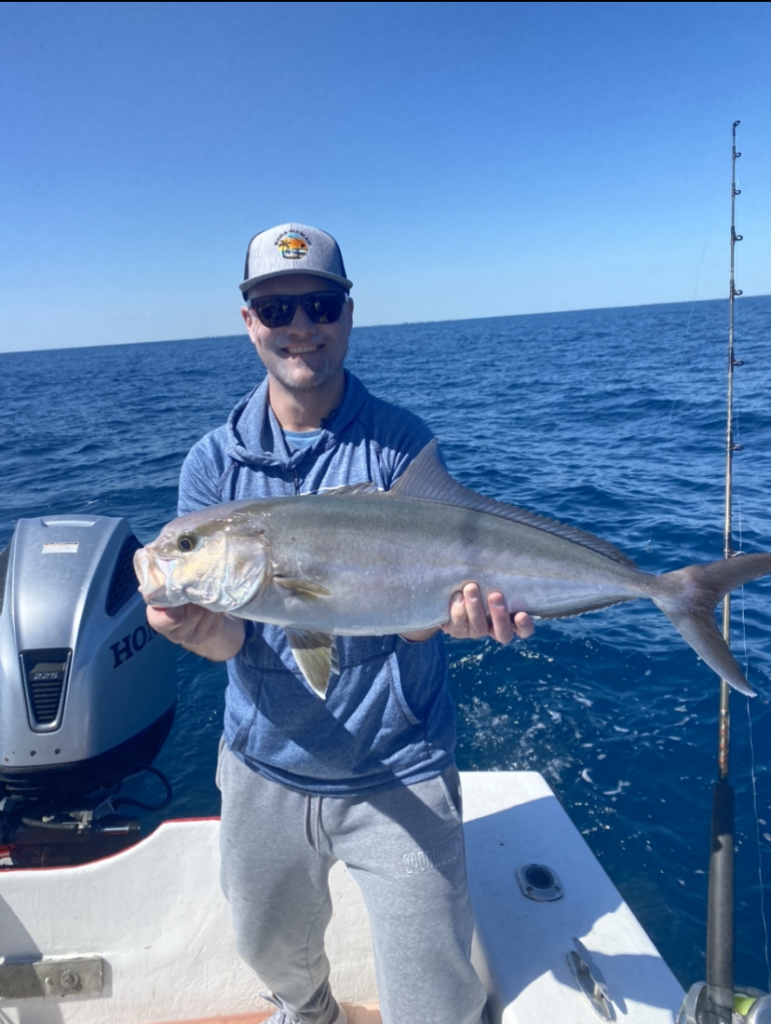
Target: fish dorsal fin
427 479
316 656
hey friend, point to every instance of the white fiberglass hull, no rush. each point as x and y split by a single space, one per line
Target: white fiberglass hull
155 916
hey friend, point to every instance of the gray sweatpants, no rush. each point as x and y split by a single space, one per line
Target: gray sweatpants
404 847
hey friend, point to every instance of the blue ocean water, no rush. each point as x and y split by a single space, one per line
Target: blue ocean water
613 420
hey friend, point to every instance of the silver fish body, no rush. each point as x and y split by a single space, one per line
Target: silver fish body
356 561
398 561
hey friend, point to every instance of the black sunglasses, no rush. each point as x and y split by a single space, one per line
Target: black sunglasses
279 310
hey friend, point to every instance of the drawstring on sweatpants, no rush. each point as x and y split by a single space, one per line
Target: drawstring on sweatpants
313 830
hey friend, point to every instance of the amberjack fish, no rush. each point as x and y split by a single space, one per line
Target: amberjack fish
357 561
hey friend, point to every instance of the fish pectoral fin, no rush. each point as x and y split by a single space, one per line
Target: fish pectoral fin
316 656
302 587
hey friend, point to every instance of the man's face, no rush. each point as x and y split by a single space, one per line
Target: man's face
303 355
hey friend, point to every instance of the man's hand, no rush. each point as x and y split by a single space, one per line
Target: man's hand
213 635
468 619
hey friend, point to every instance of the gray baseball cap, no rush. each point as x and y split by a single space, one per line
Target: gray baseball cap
293 249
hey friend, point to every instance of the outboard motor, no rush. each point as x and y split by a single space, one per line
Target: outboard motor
87 688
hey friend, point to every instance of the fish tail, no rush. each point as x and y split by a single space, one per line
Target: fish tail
690 607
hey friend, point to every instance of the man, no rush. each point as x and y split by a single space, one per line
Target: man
367 776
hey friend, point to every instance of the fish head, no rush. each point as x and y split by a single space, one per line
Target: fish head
218 560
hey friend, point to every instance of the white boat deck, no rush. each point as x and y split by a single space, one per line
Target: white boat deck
156 916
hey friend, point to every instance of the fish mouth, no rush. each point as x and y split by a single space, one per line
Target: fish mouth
153 580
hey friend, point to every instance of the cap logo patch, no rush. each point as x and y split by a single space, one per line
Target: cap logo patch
293 245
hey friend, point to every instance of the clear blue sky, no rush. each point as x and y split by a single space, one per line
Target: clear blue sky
473 159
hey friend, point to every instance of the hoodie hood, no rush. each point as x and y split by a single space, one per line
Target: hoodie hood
255 437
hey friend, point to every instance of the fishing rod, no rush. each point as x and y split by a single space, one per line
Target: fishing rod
720 900
718 1001
730 448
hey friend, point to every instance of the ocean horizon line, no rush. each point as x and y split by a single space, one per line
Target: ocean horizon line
383 326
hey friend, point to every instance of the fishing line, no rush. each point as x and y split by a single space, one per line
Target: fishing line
753 773
760 848
690 317
710 217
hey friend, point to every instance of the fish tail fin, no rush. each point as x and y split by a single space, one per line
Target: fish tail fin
690 607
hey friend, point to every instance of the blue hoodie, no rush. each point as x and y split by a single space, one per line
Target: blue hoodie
388 718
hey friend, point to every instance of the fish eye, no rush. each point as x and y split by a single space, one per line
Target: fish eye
186 543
